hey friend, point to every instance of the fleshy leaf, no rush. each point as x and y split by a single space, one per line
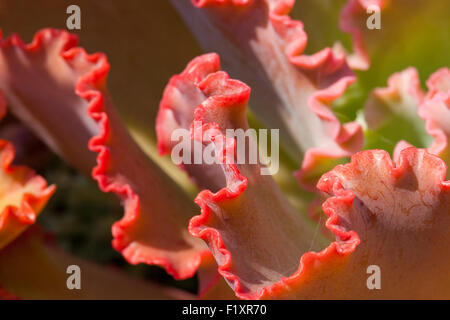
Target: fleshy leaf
402 115
176 111
261 45
394 217
137 104
143 68
212 286
23 194
38 82
435 110
245 219
64 89
392 113
32 268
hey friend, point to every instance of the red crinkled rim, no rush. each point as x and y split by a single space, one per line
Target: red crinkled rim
413 85
237 94
14 218
130 200
348 240
325 62
438 82
195 72
236 185
348 137
30 82
200 72
432 106
311 263
438 97
89 86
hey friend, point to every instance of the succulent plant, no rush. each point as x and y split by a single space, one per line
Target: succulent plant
361 184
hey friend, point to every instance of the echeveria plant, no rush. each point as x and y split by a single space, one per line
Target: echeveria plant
358 206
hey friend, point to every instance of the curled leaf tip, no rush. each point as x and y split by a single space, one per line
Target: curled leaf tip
402 114
399 214
38 80
23 194
292 91
200 94
439 82
51 80
435 110
244 216
147 233
392 218
180 97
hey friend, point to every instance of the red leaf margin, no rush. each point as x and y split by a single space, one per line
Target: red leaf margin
130 200
433 107
15 218
236 185
347 240
331 257
90 87
348 136
438 93
232 93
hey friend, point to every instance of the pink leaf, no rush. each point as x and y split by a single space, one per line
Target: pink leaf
403 114
435 110
245 218
399 215
263 46
394 217
23 194
60 91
